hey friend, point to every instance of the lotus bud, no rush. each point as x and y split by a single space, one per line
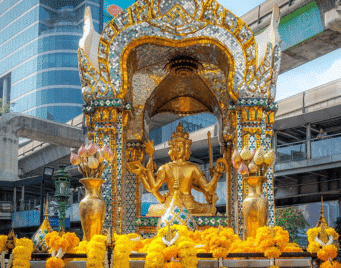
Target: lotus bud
93 162
270 157
243 169
75 159
99 156
246 153
236 156
236 164
105 151
253 167
91 149
253 152
82 152
259 156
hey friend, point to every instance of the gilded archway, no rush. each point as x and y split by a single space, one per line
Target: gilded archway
128 75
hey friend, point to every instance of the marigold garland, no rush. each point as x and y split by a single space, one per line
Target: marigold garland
313 246
3 239
54 262
59 246
123 247
188 254
328 264
96 251
173 265
22 253
327 252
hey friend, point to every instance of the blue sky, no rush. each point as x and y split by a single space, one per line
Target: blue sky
317 72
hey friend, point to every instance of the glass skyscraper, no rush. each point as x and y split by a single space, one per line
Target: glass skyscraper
38 55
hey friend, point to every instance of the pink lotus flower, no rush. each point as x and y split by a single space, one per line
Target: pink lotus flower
243 169
75 159
91 149
93 162
82 152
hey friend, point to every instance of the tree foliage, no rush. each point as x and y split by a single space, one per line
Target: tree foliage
291 219
4 109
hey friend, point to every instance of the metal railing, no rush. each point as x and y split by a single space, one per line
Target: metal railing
5 206
329 145
296 151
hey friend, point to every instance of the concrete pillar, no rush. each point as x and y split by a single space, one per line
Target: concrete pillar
308 142
78 195
29 204
34 203
9 156
15 199
22 200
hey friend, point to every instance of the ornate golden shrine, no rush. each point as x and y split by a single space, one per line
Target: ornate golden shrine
183 57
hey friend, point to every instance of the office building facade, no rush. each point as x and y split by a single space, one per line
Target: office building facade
38 55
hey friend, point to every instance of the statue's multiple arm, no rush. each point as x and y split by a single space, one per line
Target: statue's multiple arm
150 182
208 188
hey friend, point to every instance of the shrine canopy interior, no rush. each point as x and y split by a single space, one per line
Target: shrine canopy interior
179 78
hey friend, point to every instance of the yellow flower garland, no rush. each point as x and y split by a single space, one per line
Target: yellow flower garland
22 253
3 239
96 251
313 246
123 247
60 245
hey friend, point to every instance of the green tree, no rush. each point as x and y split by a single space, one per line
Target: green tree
291 219
4 108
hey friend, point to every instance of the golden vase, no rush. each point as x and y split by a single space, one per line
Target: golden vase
255 206
92 208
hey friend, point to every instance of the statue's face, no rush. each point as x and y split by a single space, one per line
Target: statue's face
179 150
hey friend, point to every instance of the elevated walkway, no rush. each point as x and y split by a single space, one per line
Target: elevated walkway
309 29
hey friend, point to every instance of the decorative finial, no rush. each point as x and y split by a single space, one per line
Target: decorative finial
322 223
169 235
179 134
10 243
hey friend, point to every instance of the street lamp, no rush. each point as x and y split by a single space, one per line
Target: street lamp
62 183
47 174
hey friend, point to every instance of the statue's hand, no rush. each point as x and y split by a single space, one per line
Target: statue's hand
221 166
212 198
150 148
136 167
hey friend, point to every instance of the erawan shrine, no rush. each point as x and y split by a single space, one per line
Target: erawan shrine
183 57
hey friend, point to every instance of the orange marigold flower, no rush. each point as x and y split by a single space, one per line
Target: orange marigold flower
54 263
329 251
272 252
328 264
